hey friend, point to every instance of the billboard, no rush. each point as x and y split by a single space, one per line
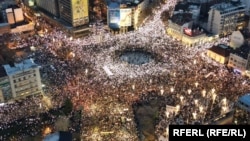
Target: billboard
18 14
80 12
126 17
114 18
10 18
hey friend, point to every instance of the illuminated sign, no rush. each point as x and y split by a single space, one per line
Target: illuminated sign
126 17
18 14
80 12
188 31
114 18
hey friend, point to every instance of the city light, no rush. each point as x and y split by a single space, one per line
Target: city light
203 92
172 89
177 108
162 91
181 98
196 84
133 86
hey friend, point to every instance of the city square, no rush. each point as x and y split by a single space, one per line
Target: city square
122 99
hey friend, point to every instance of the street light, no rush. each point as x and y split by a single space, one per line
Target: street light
189 91
86 71
177 108
194 115
203 92
181 98
196 84
167 114
171 89
133 86
213 97
201 109
213 90
162 91
224 101
196 102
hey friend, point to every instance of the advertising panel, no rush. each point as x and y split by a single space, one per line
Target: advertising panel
80 12
18 14
10 18
126 17
114 18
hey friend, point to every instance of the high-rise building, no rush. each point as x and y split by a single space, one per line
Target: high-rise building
74 12
19 80
5 89
50 6
242 110
14 15
224 18
125 15
247 3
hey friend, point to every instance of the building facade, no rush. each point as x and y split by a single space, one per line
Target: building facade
224 18
219 53
4 28
180 27
23 80
74 12
242 110
5 89
238 62
50 6
247 3
122 16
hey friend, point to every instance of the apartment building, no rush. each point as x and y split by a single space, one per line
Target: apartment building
224 18
181 27
74 12
21 80
220 53
5 90
50 6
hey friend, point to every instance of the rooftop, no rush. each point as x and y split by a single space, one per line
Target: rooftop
245 99
221 49
17 67
228 6
242 51
181 18
2 72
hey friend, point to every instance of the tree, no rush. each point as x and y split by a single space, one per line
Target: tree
67 106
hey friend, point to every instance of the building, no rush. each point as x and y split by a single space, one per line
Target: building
5 88
4 28
238 59
247 3
59 136
181 27
74 12
14 14
29 2
21 80
224 18
242 110
219 53
126 15
50 6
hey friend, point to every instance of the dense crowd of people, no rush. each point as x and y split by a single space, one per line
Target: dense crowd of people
90 73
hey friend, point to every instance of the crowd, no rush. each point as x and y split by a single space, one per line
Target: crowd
106 87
